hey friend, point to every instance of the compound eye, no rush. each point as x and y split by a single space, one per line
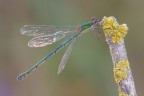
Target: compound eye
93 19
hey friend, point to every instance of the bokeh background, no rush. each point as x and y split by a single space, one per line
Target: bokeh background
89 69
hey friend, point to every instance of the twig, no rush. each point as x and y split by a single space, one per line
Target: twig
115 34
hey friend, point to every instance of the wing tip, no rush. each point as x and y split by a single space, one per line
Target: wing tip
22 30
59 71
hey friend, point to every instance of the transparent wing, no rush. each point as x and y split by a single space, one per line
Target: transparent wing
46 34
45 40
65 57
41 30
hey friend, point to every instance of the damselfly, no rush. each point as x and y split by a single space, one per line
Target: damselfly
48 34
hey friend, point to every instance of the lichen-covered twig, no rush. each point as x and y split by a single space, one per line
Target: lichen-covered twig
115 34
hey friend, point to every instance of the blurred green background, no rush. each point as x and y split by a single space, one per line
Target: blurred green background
89 69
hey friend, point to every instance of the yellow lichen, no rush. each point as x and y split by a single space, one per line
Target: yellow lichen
108 22
113 29
116 39
122 94
123 65
120 70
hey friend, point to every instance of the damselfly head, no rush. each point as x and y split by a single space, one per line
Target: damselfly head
96 21
96 26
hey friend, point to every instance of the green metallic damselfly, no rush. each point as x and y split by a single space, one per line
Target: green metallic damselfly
48 34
